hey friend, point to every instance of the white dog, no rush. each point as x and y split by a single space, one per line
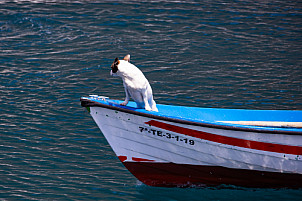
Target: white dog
135 83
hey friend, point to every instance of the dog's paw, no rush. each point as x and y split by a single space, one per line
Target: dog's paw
148 108
124 103
155 109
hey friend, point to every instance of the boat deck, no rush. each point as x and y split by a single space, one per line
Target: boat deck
288 121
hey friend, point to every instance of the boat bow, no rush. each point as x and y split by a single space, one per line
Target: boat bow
187 146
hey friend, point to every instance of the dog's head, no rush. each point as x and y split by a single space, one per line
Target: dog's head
115 65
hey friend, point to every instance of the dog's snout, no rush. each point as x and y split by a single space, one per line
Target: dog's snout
113 74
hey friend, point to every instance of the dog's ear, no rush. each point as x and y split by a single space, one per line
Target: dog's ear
116 60
127 58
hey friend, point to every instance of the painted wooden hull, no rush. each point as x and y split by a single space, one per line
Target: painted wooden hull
163 149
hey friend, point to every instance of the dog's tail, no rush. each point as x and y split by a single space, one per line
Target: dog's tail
127 58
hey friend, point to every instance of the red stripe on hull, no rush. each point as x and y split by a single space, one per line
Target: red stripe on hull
141 159
263 146
122 158
182 175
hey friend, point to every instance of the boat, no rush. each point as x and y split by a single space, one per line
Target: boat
181 146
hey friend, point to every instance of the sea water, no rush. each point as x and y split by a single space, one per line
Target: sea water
225 54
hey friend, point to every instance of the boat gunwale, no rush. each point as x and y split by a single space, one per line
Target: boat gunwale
85 102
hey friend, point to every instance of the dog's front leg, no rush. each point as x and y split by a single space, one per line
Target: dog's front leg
145 99
127 97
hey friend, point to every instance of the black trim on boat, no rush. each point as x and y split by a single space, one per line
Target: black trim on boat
89 103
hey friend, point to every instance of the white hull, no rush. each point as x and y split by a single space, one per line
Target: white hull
143 143
126 137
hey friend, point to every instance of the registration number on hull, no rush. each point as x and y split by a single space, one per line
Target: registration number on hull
169 136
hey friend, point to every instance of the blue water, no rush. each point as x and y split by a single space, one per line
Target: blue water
226 54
